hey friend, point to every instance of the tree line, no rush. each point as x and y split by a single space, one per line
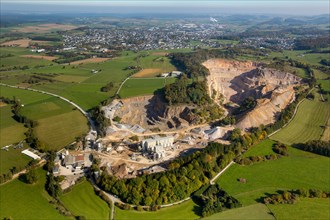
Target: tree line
291 197
312 43
278 148
182 91
30 135
315 146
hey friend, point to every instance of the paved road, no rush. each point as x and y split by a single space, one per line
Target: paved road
91 122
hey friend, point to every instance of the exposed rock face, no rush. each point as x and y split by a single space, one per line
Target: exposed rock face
266 110
222 72
238 80
152 111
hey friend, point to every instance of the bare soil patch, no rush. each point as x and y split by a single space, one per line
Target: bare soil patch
90 60
326 134
51 58
159 53
41 42
44 28
17 43
2 104
147 73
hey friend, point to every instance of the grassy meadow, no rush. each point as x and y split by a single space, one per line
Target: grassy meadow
59 123
256 211
261 149
82 201
24 201
12 158
186 210
11 130
305 208
299 170
307 124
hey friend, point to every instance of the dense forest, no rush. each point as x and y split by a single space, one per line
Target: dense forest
214 200
182 91
312 43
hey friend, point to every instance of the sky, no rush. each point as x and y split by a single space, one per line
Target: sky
288 7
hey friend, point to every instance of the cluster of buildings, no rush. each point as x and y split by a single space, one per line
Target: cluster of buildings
282 43
71 163
172 74
156 146
144 37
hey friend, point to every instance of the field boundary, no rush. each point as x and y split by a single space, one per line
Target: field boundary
221 172
121 85
294 114
91 122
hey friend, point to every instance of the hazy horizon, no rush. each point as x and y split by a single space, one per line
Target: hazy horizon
280 7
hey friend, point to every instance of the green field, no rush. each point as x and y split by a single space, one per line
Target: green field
307 123
299 170
262 149
157 61
301 55
11 131
78 83
305 208
82 201
58 124
12 158
186 210
256 211
23 201
59 130
143 86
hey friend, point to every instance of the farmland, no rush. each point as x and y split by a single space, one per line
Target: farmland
303 209
147 73
82 201
90 60
301 55
77 82
23 201
43 28
256 211
40 57
299 170
307 123
11 130
186 210
52 114
261 149
12 158
143 86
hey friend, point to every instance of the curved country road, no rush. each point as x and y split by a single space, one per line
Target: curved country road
91 122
